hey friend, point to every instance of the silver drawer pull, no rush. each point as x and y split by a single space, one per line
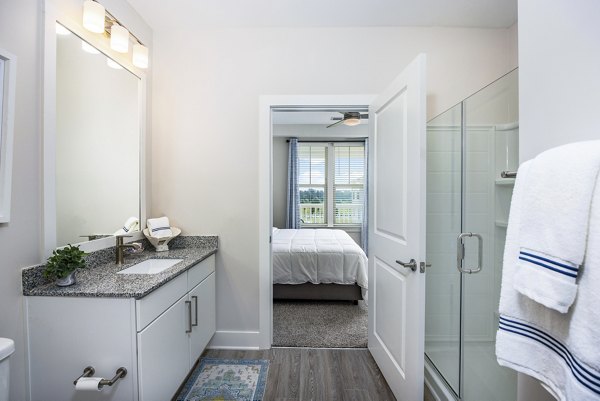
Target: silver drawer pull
195 298
189 304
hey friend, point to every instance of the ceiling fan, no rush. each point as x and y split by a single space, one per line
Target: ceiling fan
350 118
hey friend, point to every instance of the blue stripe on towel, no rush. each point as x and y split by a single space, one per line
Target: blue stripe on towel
583 375
535 262
572 268
125 229
160 228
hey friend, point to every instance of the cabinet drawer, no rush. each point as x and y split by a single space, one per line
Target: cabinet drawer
200 271
152 305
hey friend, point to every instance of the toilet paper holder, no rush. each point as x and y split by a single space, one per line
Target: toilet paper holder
89 372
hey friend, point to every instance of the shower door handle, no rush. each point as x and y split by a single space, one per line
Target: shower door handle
460 253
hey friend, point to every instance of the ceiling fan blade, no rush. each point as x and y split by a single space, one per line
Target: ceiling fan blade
364 116
334 124
336 118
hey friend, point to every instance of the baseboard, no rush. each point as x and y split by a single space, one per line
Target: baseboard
224 339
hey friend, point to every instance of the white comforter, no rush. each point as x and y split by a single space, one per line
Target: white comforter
317 256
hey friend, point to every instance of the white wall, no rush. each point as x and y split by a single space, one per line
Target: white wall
207 85
559 53
559 88
21 33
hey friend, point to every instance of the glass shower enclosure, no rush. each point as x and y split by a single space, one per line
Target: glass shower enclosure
468 148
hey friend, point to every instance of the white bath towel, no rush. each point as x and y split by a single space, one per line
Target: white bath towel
130 225
159 227
560 349
554 225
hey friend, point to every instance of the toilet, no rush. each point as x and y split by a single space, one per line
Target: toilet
7 347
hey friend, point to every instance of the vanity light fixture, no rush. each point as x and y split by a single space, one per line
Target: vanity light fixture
119 38
140 55
93 16
96 16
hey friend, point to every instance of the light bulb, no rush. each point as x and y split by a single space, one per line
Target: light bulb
352 121
119 38
140 56
93 16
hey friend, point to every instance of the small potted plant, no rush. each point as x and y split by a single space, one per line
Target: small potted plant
63 263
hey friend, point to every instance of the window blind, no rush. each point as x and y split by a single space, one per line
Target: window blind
348 185
312 180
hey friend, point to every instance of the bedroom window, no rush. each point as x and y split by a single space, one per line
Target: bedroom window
331 181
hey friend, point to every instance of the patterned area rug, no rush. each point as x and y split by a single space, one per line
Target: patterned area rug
320 324
226 380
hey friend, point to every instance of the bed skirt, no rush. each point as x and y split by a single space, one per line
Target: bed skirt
309 291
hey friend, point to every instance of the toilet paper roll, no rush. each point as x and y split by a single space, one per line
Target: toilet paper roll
88 384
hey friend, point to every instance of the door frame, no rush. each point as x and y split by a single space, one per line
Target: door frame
265 192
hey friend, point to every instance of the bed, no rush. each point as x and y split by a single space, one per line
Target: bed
324 264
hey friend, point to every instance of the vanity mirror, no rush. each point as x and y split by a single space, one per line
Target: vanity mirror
98 143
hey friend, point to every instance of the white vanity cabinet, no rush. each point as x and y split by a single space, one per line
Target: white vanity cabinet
157 338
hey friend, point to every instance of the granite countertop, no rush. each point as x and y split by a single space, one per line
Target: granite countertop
100 278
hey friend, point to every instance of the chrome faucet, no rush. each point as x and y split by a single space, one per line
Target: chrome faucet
121 246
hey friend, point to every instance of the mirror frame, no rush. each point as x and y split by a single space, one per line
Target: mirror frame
52 16
7 118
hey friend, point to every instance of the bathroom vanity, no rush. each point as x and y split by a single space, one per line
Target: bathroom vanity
156 326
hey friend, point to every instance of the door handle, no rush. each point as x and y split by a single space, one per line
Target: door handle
412 264
195 298
423 266
189 304
460 253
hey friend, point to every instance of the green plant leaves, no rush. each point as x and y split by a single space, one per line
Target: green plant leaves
64 261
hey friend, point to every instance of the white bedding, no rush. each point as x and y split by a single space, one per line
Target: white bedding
317 256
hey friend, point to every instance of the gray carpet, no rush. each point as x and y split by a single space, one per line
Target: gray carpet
320 324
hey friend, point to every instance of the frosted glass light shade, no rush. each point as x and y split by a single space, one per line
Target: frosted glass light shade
93 16
119 38
352 121
140 56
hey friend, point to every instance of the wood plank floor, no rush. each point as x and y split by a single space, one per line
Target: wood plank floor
317 374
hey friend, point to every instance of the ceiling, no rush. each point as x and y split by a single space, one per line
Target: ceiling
162 15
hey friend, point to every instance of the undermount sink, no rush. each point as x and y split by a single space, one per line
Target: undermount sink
151 266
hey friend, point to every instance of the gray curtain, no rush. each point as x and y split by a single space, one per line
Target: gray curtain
293 190
364 232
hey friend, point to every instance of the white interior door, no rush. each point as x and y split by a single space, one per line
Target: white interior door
397 231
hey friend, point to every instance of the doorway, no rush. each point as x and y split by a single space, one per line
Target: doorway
319 169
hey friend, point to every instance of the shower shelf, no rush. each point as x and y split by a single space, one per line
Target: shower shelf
505 181
501 224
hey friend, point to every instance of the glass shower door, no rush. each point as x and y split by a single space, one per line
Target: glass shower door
468 147
490 119
443 282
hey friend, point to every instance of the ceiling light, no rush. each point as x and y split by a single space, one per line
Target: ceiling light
119 38
93 16
86 47
140 56
352 121
113 64
61 30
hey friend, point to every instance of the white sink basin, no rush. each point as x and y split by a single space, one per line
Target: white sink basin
151 266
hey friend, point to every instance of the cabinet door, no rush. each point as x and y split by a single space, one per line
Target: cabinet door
163 353
203 316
